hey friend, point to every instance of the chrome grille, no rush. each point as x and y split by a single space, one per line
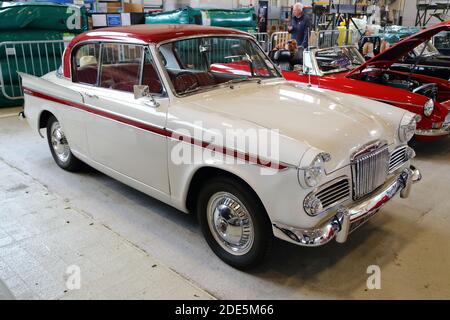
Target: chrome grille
398 158
369 169
335 192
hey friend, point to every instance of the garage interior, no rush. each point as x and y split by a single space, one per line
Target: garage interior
127 245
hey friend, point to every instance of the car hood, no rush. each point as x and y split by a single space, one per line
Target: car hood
397 51
316 117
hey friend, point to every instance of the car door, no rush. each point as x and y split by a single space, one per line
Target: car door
123 133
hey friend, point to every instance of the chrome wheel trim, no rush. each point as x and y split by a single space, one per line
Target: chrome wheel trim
230 223
59 142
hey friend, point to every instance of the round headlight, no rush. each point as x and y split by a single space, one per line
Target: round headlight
428 108
408 127
316 170
313 206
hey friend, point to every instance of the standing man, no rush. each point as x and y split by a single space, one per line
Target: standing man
300 26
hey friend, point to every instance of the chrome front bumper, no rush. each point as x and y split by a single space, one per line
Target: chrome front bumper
433 132
347 219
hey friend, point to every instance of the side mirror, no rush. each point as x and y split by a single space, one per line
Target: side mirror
143 91
305 70
307 62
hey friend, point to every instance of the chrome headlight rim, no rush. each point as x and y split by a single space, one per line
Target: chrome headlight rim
312 205
311 175
428 108
408 127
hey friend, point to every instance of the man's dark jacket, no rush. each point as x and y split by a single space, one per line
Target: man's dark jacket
300 30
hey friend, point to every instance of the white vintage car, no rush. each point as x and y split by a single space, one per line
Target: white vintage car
173 111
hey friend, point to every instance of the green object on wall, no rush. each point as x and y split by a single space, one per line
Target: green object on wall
236 18
42 15
180 16
242 19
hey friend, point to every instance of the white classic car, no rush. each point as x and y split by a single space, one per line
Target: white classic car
173 111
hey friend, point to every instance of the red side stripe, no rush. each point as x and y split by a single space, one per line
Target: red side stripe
160 131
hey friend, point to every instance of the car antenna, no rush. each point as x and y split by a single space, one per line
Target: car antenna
309 72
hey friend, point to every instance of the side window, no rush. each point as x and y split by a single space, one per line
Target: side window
120 66
85 63
150 76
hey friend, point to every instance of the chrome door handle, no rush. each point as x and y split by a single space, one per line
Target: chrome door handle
90 95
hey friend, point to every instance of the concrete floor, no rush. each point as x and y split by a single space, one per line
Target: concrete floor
409 240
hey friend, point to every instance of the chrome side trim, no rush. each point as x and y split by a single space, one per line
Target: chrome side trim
397 102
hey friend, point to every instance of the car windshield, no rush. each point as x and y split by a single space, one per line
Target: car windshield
338 59
206 62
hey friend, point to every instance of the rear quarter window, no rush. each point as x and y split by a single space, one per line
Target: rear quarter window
85 62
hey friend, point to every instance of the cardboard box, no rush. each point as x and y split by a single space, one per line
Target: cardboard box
113 7
133 7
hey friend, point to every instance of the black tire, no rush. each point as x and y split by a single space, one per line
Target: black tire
72 164
262 227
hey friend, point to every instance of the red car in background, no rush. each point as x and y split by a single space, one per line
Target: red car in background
343 69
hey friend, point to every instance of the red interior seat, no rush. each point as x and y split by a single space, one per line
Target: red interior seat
120 76
205 79
151 79
87 74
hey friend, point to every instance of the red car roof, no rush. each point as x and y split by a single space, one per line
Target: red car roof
153 33
143 34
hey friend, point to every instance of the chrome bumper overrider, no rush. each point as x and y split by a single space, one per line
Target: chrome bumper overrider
340 226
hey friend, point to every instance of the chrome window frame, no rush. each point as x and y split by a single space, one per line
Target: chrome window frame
72 57
317 71
101 63
163 94
207 35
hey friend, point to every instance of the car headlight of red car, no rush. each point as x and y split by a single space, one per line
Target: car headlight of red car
428 108
408 127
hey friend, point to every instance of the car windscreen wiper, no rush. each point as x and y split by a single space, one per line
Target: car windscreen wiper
191 90
234 81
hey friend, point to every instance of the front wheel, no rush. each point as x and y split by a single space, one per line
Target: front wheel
234 222
59 147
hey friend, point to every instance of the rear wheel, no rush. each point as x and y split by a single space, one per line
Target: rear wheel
234 222
59 147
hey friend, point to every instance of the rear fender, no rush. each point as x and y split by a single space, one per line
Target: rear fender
42 95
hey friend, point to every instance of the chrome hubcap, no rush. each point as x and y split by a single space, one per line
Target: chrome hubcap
59 142
230 223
